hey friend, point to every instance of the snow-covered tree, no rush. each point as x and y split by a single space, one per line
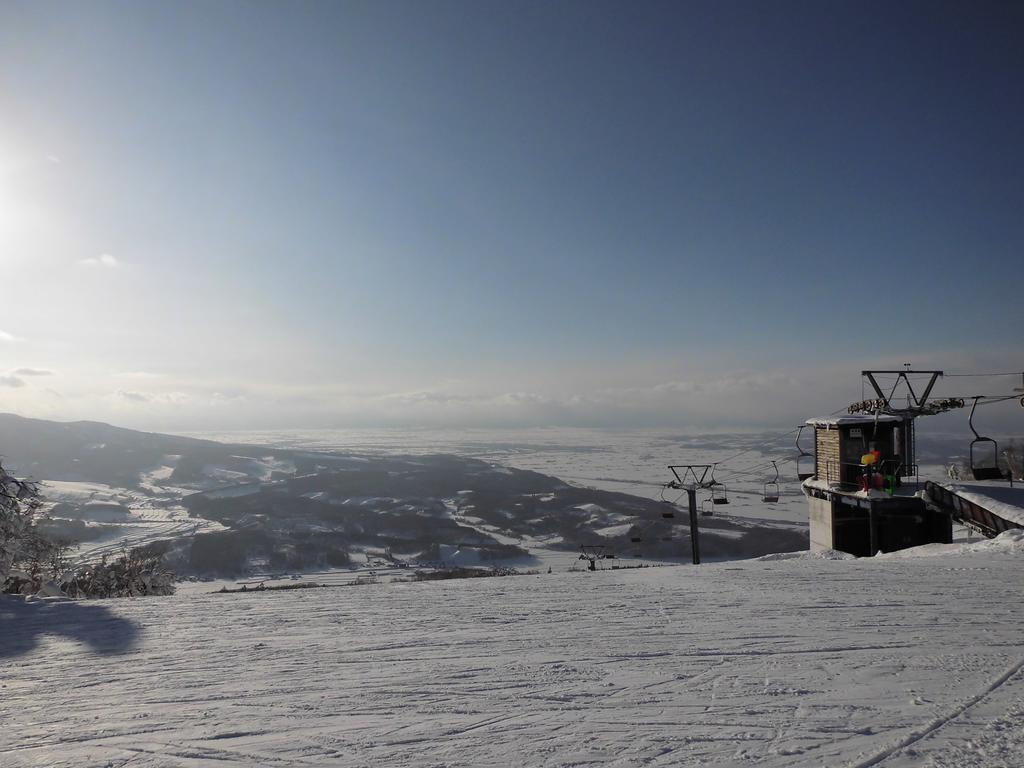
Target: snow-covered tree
19 504
135 573
30 562
1014 455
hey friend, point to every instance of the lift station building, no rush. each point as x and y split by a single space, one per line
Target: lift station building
864 496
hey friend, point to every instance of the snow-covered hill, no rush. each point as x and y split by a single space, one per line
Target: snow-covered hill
800 661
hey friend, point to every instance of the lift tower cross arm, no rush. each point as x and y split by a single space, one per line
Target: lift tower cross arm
919 401
689 475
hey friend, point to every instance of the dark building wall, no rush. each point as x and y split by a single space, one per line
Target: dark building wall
886 525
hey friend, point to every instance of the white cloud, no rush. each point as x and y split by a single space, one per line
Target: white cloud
134 397
172 398
139 375
161 398
5 336
11 381
103 260
33 372
224 397
431 397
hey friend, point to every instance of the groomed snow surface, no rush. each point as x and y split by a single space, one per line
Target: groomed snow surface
909 661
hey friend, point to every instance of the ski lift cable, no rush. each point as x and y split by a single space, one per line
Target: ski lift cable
746 472
981 375
746 468
675 500
760 445
994 399
759 468
769 441
773 439
757 475
987 399
764 463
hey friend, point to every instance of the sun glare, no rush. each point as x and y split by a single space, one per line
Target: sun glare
20 214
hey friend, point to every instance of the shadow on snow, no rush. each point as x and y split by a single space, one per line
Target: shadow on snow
22 624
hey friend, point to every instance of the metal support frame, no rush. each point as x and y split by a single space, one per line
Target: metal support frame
691 494
915 402
693 476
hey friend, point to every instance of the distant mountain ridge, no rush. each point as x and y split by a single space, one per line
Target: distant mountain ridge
95 451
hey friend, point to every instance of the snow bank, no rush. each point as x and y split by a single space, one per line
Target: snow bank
826 554
1009 542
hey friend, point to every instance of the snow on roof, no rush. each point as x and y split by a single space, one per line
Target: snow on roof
995 496
856 418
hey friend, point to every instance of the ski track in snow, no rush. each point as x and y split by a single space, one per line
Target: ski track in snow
874 662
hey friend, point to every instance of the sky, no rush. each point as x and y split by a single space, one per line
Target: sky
231 215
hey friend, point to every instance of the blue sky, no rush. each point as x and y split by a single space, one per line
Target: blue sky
327 214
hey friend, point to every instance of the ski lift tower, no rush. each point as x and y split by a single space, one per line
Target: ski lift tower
690 477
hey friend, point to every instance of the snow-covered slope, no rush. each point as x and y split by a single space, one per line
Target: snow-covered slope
128 517
806 661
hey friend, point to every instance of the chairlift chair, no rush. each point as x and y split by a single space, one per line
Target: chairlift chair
707 507
719 492
980 468
801 464
770 493
669 512
635 539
